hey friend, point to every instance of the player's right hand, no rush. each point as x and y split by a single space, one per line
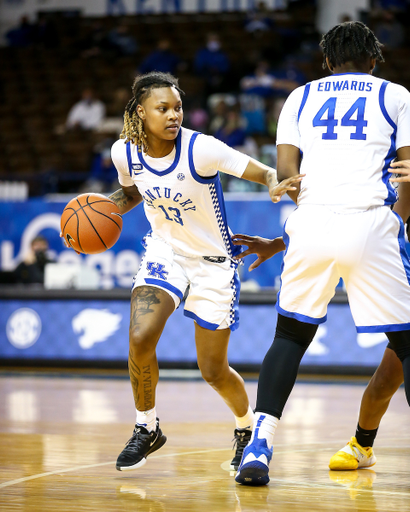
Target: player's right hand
402 167
276 192
264 248
67 244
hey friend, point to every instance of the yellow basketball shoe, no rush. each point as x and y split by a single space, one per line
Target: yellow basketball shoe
352 456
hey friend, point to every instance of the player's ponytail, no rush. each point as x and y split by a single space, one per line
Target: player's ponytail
351 41
143 84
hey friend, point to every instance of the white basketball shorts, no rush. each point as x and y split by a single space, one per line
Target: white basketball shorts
214 286
365 249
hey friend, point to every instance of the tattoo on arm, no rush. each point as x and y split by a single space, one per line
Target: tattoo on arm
123 201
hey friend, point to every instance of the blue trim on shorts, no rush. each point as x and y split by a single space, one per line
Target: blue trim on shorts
384 328
199 321
167 286
301 318
391 154
402 245
304 99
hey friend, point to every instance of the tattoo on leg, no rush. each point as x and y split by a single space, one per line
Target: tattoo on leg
135 373
142 303
147 381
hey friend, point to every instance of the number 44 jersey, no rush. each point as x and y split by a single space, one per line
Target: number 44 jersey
348 128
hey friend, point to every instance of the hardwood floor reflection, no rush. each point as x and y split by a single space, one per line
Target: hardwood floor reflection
60 437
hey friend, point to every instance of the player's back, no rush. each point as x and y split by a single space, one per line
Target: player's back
347 127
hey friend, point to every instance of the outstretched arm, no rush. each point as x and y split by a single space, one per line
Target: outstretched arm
288 165
261 173
126 198
264 248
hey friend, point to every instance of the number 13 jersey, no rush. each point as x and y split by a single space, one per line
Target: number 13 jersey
348 128
182 192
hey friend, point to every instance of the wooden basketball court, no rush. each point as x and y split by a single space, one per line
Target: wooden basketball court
61 434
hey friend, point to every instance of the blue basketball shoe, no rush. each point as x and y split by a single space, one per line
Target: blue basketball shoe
254 467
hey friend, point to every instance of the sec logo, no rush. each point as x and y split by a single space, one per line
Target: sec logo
23 328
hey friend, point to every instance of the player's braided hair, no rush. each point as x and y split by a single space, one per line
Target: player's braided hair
143 84
351 41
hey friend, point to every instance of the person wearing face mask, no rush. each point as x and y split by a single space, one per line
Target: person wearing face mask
212 64
31 269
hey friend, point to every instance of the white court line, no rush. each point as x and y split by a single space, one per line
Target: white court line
273 479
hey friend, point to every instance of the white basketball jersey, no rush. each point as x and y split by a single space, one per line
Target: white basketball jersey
183 208
348 128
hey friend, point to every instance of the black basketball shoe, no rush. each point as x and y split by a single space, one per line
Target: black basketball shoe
241 439
141 444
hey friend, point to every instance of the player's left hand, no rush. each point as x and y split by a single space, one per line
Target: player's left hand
276 192
264 248
402 167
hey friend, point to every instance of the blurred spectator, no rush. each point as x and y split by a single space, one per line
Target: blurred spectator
218 106
196 118
95 43
103 175
121 41
114 121
259 20
161 59
263 82
233 130
272 116
389 31
87 113
212 64
31 269
22 35
233 134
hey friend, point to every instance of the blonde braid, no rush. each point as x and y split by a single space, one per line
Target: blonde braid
133 130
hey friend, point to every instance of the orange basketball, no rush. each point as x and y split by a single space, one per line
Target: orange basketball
91 223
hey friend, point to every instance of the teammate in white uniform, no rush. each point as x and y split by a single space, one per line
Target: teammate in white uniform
342 132
189 251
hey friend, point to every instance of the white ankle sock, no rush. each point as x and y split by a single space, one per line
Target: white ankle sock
245 421
147 419
264 426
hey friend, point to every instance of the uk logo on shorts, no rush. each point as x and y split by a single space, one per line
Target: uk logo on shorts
157 270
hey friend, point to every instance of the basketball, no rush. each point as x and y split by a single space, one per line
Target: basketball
91 223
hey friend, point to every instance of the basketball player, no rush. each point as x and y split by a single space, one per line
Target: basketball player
174 171
348 127
387 379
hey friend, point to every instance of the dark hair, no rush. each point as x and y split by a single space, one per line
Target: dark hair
351 41
141 88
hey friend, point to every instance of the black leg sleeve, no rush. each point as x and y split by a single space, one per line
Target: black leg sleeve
400 342
281 364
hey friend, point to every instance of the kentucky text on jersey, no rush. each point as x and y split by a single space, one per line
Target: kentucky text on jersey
344 85
166 193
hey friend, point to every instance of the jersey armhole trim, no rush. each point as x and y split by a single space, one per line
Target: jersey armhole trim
195 175
129 159
304 99
383 106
